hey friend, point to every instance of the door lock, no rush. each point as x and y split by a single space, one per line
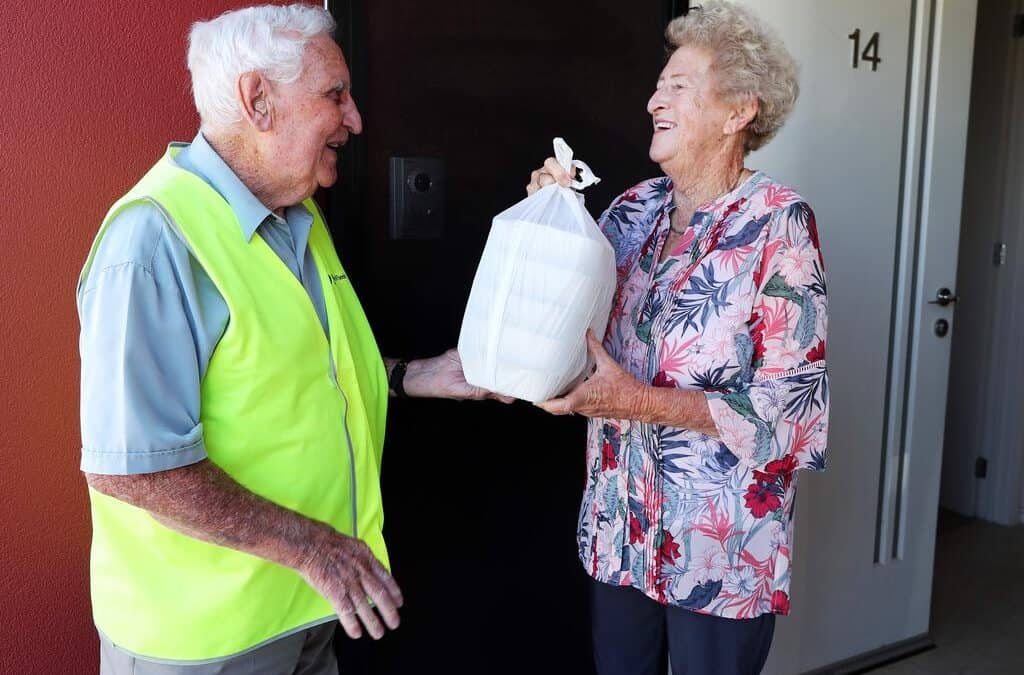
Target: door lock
941 327
943 297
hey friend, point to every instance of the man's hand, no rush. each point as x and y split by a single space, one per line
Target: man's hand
609 392
345 571
442 377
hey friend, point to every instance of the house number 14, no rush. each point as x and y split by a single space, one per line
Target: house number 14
870 52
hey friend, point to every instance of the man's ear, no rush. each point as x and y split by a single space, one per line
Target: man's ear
253 95
741 115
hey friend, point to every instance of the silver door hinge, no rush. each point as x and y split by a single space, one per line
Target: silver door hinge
999 254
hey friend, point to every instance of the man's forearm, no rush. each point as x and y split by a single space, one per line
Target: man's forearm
203 502
424 378
439 377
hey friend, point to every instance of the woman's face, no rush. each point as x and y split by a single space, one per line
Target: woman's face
688 116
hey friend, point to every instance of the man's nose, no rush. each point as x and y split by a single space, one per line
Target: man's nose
351 118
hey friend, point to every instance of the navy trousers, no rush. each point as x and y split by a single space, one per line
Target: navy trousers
634 635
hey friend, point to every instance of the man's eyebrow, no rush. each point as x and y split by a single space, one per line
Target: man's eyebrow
340 86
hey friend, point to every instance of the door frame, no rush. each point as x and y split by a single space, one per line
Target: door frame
345 203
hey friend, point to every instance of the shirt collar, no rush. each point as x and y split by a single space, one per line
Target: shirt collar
201 159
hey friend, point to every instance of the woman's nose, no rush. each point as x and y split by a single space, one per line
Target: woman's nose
654 102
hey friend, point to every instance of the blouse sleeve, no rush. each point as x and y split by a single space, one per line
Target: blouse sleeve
627 220
774 414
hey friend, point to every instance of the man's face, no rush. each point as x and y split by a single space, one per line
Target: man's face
313 118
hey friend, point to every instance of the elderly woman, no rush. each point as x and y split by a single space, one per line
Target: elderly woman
710 389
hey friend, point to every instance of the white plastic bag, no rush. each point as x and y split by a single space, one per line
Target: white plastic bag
547 274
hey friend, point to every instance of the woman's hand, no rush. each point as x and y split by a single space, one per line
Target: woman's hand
609 392
551 172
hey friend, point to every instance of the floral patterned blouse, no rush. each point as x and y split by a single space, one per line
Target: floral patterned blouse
738 310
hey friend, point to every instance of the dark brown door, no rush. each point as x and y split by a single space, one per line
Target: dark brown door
481 499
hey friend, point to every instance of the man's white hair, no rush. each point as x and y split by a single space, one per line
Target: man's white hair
270 39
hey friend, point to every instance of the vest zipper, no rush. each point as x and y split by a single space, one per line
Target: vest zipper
351 450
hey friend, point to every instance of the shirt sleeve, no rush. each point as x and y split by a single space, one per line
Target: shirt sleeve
140 372
775 416
614 225
625 222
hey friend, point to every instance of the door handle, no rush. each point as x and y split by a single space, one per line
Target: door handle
943 297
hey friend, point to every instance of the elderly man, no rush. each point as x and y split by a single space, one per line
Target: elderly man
233 397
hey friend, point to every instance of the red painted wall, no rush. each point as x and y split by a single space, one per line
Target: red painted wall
92 93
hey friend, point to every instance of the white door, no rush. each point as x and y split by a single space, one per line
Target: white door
876 145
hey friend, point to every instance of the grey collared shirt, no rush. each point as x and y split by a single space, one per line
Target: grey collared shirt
151 318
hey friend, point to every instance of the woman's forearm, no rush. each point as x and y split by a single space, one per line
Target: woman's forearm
682 408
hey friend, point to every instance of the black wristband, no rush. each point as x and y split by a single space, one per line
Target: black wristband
397 379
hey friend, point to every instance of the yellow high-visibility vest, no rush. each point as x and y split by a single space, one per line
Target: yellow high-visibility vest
279 416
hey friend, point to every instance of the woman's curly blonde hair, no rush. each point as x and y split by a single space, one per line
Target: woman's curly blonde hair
747 60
